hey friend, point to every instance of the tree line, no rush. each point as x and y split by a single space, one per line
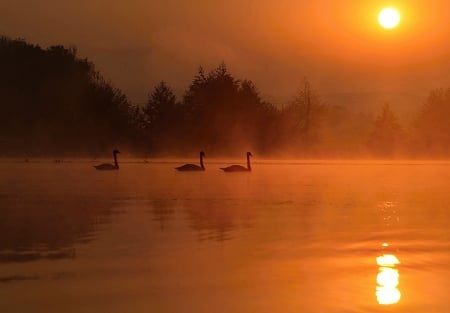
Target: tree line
55 103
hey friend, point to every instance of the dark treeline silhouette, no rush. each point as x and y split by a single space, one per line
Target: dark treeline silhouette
54 103
227 116
430 134
387 134
217 113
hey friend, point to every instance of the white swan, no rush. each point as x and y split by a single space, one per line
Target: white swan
239 168
193 167
108 166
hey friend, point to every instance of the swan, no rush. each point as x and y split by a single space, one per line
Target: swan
239 168
108 166
193 167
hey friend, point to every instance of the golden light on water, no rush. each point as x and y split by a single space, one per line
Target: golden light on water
387 260
387 291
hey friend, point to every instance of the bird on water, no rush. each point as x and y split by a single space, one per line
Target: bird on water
239 168
109 166
193 167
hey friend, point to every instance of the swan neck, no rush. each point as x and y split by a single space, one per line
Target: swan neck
249 167
201 162
115 160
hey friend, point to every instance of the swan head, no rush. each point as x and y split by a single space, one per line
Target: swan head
116 151
202 154
249 154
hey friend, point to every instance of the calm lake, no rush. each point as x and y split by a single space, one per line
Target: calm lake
311 237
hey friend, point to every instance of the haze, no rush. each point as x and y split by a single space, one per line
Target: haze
338 131
337 45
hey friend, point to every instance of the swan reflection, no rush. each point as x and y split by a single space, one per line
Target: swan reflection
387 291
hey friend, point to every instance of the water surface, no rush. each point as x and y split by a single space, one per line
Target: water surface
288 237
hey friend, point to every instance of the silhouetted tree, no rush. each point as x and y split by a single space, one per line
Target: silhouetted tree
302 119
163 118
431 129
387 134
257 120
223 113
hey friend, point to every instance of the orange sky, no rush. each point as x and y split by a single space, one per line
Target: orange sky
338 45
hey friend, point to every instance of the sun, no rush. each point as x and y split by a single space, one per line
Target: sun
389 18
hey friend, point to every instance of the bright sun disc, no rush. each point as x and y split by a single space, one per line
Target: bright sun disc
389 18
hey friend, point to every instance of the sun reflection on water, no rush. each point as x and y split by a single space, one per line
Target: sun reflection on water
387 291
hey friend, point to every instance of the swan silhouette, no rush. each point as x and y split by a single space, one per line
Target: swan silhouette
108 166
193 167
239 168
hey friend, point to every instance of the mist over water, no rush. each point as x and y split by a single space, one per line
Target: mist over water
291 236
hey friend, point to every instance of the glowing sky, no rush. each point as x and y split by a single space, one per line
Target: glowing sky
337 44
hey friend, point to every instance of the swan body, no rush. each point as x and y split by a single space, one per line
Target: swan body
239 168
109 166
193 167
